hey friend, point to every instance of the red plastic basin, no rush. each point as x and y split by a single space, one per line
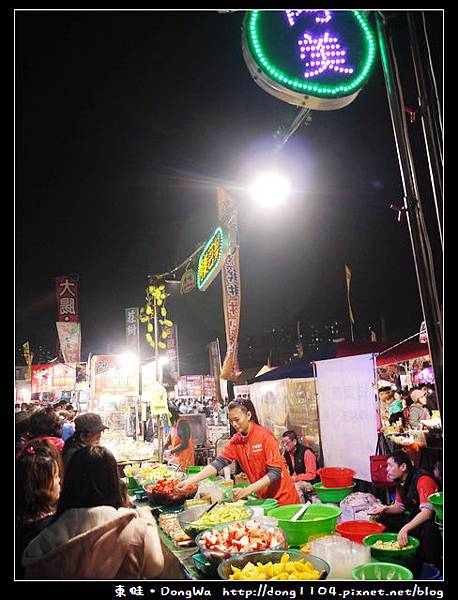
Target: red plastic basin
332 477
356 531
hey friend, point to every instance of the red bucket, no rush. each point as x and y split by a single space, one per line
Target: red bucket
356 531
333 477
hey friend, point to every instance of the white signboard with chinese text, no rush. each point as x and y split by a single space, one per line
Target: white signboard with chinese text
347 404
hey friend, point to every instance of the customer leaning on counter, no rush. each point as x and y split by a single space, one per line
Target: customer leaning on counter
257 451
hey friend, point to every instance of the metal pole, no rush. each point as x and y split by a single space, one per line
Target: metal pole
136 427
412 204
315 377
434 163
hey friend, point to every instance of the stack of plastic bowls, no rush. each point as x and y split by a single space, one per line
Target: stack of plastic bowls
341 554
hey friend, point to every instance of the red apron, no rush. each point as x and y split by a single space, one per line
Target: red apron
184 458
254 453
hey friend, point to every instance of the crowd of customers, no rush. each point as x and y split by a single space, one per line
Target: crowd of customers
74 519
411 407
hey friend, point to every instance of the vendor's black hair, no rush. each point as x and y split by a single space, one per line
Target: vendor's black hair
246 405
45 422
400 457
175 414
291 434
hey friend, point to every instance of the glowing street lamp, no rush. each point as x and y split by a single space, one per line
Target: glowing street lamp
270 190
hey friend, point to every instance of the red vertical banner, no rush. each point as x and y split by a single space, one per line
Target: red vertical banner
67 299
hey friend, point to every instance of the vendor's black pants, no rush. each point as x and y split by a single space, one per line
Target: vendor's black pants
429 535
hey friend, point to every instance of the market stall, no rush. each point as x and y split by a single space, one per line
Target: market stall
50 381
196 387
288 404
201 546
407 367
346 375
114 394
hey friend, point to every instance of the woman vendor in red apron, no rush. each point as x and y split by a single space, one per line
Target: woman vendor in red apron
258 454
180 442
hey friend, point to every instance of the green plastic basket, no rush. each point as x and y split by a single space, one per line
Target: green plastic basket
404 557
319 518
132 485
381 571
265 503
332 494
437 500
192 470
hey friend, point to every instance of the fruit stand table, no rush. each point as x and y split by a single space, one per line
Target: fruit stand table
178 561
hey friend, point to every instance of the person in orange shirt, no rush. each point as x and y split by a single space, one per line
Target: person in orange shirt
180 441
257 451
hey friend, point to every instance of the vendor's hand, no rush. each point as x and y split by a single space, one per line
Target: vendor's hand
376 511
184 485
239 493
403 537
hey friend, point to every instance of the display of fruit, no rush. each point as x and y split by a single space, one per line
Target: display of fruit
163 492
389 545
168 487
285 569
225 513
157 471
242 537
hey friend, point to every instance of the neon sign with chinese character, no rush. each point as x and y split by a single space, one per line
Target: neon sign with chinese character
211 259
319 59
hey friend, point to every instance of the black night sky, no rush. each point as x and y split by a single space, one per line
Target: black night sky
125 122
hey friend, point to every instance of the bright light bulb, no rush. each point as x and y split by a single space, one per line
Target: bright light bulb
270 189
128 360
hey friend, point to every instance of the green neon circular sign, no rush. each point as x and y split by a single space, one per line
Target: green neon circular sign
315 58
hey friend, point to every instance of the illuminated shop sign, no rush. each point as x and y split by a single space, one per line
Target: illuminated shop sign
318 59
211 259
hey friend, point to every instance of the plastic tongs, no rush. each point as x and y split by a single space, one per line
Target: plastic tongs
300 512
